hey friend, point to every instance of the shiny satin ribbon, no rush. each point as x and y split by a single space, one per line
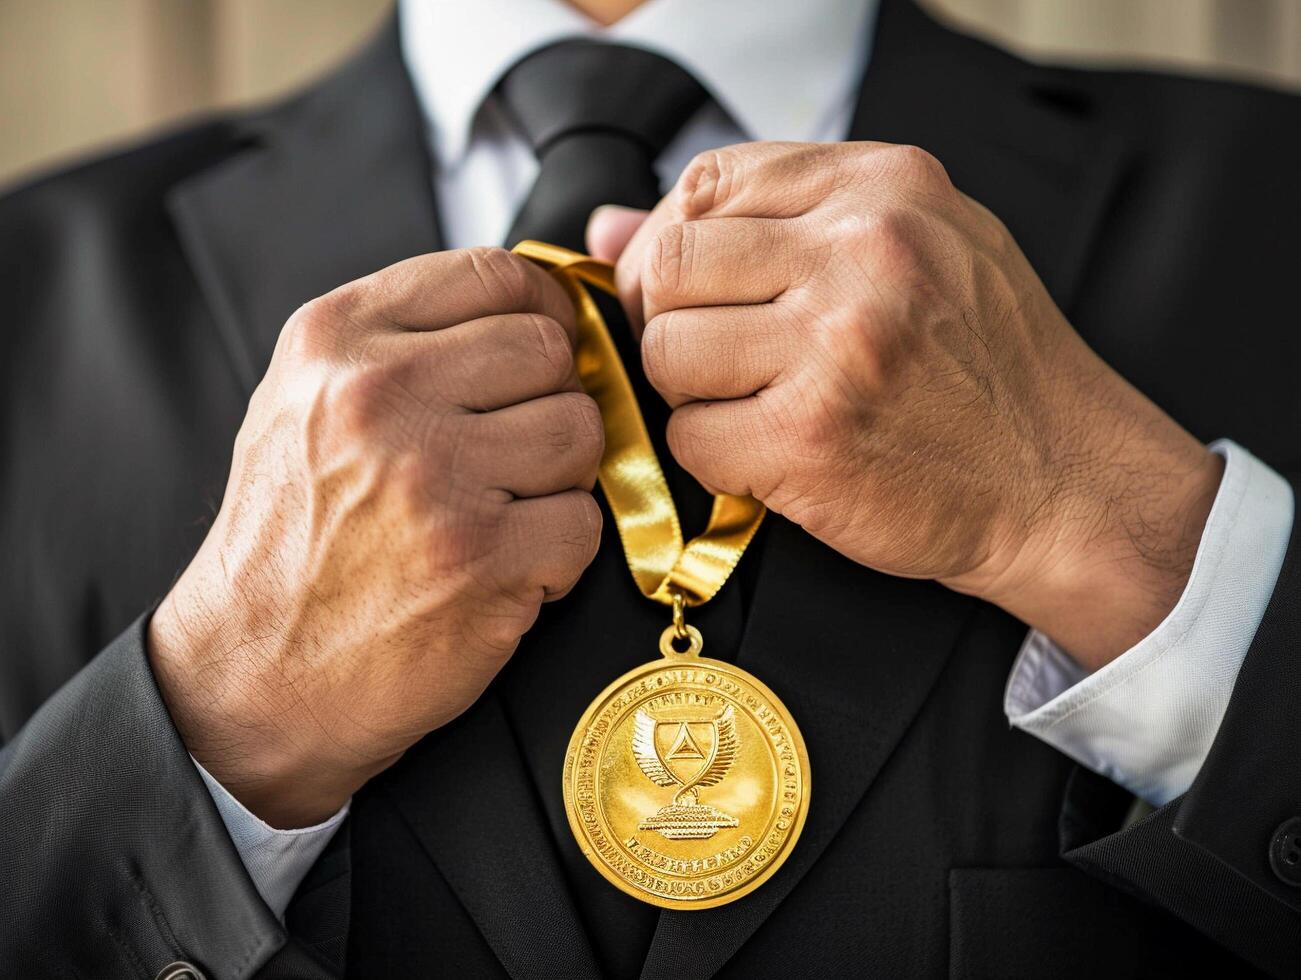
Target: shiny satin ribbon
630 473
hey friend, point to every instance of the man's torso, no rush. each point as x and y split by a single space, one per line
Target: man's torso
149 287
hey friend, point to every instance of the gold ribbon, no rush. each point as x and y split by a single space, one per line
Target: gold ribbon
630 473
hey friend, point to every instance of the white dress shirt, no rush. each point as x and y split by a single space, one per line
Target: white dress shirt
1147 719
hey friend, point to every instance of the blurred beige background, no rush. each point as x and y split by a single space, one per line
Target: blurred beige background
78 74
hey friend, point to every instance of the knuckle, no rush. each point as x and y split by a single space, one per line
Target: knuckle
445 443
459 540
993 234
786 446
314 328
582 534
570 423
553 346
808 427
685 441
502 276
655 350
917 164
843 226
373 404
858 348
812 425
706 182
360 400
722 464
409 481
499 630
893 235
562 540
668 262
588 432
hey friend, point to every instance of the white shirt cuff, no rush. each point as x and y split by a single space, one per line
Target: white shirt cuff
276 860
1147 719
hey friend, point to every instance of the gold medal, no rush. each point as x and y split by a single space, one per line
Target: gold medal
686 781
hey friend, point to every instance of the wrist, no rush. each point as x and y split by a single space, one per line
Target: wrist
233 722
1110 554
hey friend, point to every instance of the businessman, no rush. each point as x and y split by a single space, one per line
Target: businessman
307 578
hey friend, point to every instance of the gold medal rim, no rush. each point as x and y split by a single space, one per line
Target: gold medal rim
680 904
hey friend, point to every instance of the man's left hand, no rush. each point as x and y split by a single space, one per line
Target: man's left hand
849 338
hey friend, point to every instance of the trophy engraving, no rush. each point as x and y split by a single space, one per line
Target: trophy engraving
687 766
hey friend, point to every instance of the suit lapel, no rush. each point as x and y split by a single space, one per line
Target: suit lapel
853 653
330 187
466 794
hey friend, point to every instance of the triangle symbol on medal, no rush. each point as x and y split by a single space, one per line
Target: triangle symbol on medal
684 746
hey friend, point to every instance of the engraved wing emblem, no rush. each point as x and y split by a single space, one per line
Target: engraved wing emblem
685 817
643 749
648 757
724 749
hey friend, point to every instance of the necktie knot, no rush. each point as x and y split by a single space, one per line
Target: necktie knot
588 87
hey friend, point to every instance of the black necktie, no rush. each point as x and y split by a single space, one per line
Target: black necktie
597 115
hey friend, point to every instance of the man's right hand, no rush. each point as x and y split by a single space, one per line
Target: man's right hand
412 480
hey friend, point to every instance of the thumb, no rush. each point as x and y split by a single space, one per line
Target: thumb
610 228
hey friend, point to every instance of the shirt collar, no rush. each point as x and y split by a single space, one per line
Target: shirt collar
779 74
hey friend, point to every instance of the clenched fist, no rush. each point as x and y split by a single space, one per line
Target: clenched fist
847 337
410 483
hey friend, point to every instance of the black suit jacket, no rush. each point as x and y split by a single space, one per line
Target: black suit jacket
142 294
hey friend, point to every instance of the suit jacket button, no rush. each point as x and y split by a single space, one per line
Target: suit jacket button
180 970
1285 852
